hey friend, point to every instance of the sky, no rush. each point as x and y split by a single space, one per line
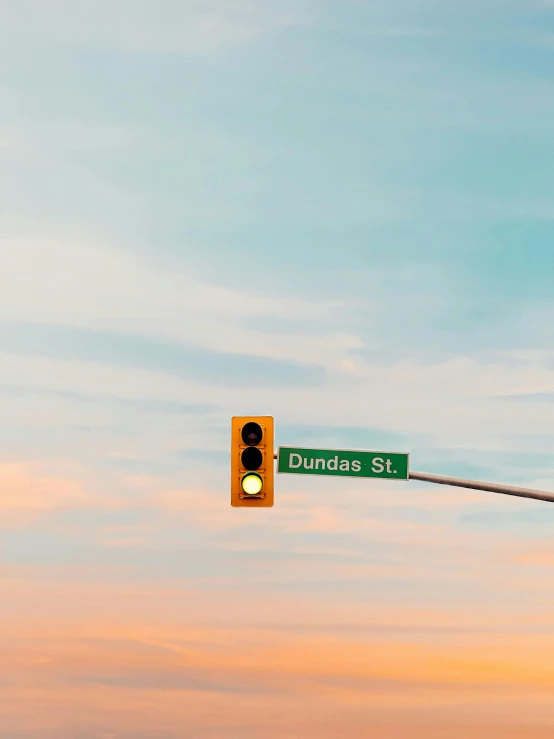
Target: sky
336 212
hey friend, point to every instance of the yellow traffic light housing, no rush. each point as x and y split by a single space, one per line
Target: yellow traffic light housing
252 466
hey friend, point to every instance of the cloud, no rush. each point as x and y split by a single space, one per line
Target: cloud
385 186
122 650
185 332
153 354
114 290
25 489
165 27
143 404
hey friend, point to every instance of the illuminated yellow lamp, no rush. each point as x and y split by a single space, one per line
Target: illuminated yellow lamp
252 484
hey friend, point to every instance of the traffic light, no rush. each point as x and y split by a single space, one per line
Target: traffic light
252 466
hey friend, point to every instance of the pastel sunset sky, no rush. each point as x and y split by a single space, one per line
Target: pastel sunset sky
336 212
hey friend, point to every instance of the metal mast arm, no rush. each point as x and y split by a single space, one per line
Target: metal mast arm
490 486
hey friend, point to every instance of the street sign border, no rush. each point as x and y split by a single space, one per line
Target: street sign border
360 477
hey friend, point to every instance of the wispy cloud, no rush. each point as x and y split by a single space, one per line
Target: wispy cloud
26 489
151 353
173 27
192 659
337 213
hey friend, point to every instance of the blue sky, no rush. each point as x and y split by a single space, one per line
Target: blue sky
337 213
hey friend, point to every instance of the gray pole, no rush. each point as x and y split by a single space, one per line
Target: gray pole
490 486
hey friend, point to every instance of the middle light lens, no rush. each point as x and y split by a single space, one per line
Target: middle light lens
252 458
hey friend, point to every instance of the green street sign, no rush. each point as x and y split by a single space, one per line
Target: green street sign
343 462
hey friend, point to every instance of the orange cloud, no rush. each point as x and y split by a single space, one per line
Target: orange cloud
24 489
142 660
106 651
